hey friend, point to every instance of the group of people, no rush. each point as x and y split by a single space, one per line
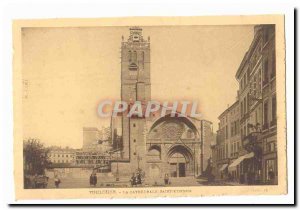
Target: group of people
35 181
136 179
93 179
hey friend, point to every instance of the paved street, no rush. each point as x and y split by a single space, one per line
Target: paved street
185 181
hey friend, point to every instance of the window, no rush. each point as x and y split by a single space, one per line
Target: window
134 56
266 76
273 69
129 56
242 133
67 156
134 140
273 110
248 101
133 124
265 126
143 56
266 35
270 169
242 109
271 147
245 103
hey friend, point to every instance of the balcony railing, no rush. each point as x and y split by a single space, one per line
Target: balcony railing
251 139
234 155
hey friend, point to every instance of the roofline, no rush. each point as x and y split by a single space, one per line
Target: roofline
248 53
228 109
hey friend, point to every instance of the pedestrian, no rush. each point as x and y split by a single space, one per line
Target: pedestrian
56 181
271 176
166 179
95 179
91 179
136 180
139 178
132 180
230 177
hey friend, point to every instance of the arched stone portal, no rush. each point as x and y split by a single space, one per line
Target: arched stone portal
173 144
181 161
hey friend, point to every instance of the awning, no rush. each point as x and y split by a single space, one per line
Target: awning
223 167
236 162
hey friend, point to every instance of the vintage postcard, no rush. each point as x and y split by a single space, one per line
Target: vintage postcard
149 107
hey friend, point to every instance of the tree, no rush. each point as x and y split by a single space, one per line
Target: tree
35 157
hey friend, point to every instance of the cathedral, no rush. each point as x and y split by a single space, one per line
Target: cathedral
177 146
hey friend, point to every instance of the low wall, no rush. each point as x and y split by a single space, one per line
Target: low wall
69 172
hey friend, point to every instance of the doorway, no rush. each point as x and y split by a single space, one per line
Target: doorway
177 165
181 171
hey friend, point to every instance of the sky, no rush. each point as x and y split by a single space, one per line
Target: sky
70 70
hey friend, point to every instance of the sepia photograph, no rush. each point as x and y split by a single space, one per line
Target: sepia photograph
146 107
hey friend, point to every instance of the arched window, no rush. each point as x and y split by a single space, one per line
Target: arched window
129 56
134 56
154 153
143 56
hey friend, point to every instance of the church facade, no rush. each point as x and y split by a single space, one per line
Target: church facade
177 146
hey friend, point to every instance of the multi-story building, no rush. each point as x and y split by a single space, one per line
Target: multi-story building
269 128
61 156
93 159
257 95
218 155
251 152
207 138
90 136
228 142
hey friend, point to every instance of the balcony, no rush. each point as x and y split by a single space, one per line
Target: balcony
234 155
251 140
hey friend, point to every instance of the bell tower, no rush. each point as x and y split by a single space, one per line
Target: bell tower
135 86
